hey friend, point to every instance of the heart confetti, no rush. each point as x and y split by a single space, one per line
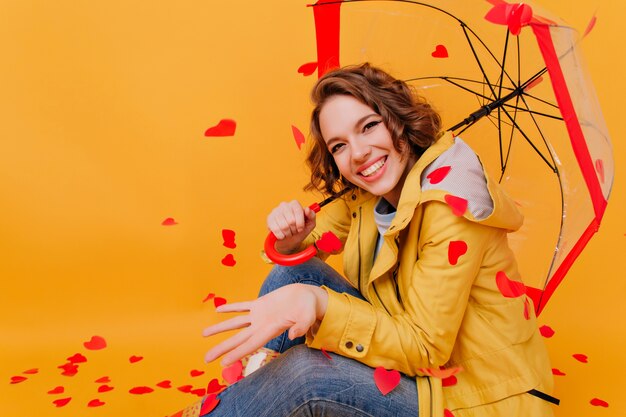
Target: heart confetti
215 387
185 388
447 413
326 354
298 136
596 402
103 380
229 238
456 249
31 371
386 381
233 373
328 243
508 287
225 127
457 204
96 343
219 301
229 260
449 381
165 384
195 372
135 359
308 68
210 296
57 390
557 372
105 388
17 379
590 26
209 404
440 52
95 403
69 369
441 372
533 83
515 16
140 390
581 358
439 174
200 392
77 358
546 331
62 402
169 222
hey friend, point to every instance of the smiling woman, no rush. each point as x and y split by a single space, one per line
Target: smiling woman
428 267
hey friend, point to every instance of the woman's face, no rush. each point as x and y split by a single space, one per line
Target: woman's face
362 147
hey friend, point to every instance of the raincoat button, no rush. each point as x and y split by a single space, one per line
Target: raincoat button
354 215
349 345
359 348
353 196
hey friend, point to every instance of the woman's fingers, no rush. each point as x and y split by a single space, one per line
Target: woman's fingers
256 339
227 345
234 307
226 325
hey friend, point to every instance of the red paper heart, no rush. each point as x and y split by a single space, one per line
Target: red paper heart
329 243
298 136
105 388
77 358
165 384
185 388
439 174
225 127
456 249
326 354
598 403
546 331
457 204
195 372
581 358
218 301
103 380
208 297
386 380
57 390
169 222
232 373
134 359
96 343
17 379
590 26
69 369
600 169
200 392
308 68
61 402
440 52
95 403
209 404
140 390
533 83
31 371
555 371
229 238
449 381
215 387
508 287
447 413
229 260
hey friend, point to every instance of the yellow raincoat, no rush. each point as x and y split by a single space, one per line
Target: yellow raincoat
432 306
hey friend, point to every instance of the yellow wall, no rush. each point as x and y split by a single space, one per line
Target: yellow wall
103 108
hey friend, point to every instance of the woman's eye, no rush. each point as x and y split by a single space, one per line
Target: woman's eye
370 125
336 147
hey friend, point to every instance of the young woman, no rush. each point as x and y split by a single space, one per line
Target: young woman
427 267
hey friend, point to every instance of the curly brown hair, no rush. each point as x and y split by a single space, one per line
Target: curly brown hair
407 116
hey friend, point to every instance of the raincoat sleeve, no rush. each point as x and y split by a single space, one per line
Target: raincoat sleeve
434 299
335 218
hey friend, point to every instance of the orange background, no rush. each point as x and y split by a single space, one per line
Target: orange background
103 107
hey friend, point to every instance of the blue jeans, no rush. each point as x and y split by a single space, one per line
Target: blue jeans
302 382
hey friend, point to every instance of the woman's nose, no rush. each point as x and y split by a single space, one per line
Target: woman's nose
361 152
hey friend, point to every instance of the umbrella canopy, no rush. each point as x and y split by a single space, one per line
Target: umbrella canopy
510 79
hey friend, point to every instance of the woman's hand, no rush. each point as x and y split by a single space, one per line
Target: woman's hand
295 307
291 224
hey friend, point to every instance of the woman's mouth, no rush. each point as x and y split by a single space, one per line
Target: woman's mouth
372 169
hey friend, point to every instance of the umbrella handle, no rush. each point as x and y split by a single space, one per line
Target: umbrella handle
294 258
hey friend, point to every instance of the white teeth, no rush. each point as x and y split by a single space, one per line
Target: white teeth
373 168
